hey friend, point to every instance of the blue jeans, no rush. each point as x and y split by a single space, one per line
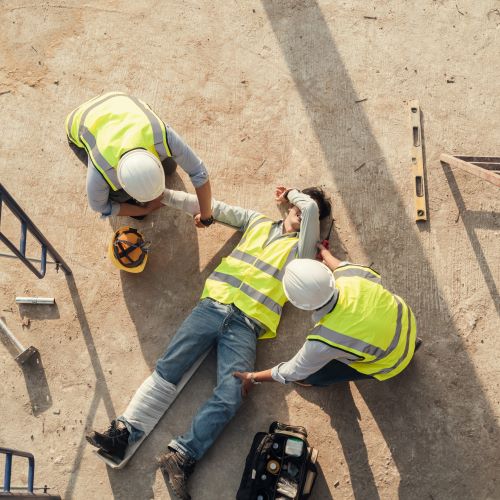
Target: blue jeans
235 337
335 371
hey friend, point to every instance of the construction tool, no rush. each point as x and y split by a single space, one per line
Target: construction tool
132 448
24 354
417 161
485 167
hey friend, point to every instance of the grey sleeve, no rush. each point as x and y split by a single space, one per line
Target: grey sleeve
186 158
309 227
230 215
311 357
98 193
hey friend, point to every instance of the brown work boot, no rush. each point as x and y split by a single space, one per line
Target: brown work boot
176 467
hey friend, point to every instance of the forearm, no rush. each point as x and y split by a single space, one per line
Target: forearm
309 227
331 262
230 215
204 194
263 376
132 210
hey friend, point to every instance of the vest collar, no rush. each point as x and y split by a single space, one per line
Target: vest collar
327 308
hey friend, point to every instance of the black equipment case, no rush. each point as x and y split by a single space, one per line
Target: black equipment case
280 465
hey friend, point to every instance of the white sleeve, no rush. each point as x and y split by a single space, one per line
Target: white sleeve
186 158
311 357
98 193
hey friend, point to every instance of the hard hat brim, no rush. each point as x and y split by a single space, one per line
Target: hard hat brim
119 265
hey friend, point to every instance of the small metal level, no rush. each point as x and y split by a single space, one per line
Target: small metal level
417 161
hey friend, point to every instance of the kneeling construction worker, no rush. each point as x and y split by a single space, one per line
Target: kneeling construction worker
129 151
363 331
242 301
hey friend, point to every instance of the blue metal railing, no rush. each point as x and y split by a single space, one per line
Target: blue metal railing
28 225
9 453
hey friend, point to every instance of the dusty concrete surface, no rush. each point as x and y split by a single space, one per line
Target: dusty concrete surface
265 92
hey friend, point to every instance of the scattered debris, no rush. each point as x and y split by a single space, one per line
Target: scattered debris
450 79
56 412
5 92
459 11
26 322
361 166
362 100
336 483
370 17
263 161
34 49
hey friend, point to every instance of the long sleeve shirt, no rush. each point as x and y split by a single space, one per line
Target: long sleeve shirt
98 189
239 218
313 355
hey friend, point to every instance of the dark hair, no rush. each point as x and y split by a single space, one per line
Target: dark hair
319 196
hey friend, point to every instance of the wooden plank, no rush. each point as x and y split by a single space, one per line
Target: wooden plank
417 161
483 173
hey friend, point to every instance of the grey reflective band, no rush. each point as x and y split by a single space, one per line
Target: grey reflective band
255 262
157 126
291 256
358 272
90 140
70 123
247 290
347 341
407 346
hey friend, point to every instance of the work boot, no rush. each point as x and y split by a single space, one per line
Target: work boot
176 467
114 441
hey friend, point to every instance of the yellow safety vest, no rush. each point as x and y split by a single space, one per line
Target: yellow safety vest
112 124
369 322
251 276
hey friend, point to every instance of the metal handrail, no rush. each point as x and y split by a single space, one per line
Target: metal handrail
9 453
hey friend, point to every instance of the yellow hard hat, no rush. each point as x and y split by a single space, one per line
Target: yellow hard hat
128 251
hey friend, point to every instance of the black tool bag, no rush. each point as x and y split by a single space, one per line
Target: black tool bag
280 465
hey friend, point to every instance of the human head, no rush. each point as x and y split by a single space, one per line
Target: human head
308 284
294 216
141 175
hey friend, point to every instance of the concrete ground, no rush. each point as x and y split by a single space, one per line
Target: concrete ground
265 92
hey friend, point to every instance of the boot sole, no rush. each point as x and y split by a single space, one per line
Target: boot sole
163 466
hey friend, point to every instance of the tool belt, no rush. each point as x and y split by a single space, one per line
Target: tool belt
280 465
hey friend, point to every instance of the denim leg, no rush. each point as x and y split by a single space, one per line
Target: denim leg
195 336
334 371
235 352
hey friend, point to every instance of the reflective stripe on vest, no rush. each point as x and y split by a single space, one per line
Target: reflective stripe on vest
369 322
250 277
110 125
360 271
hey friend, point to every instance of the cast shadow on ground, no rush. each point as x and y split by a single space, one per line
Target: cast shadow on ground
435 417
473 220
35 379
101 391
39 311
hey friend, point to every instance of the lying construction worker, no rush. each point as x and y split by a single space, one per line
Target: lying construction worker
242 301
362 330
129 151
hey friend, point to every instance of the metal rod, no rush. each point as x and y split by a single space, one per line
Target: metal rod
8 471
35 300
13 339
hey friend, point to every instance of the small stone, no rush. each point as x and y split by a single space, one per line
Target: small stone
336 483
56 412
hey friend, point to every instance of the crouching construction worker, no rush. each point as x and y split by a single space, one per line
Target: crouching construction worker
242 301
129 151
362 332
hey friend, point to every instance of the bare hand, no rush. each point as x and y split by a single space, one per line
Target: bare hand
322 251
279 194
245 378
197 221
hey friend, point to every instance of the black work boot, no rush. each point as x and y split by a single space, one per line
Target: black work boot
114 441
176 468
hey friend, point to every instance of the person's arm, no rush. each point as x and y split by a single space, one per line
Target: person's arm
330 261
309 359
98 194
309 226
194 167
230 215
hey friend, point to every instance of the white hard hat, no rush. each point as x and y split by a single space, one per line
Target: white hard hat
308 284
141 175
